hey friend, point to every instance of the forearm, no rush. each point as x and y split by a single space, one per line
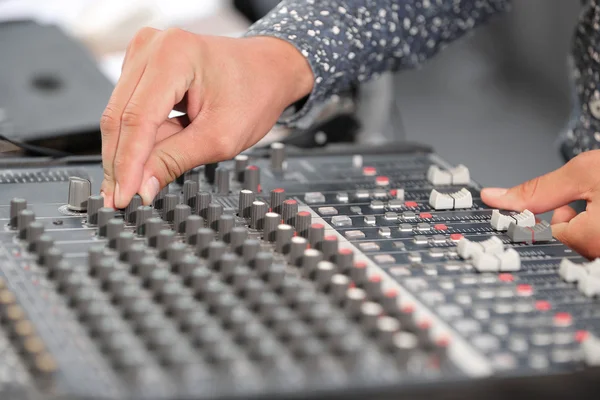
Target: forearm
352 41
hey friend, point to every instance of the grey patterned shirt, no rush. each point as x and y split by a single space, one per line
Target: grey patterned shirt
352 41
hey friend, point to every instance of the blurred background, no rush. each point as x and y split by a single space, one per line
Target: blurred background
495 101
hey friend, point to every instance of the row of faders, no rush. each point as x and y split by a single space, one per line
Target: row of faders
288 275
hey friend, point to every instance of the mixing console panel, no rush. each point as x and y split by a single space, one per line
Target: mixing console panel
276 275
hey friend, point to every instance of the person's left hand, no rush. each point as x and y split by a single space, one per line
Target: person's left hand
579 179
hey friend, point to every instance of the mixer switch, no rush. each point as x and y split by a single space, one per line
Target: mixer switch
79 191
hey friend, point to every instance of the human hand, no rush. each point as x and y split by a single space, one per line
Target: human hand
576 180
232 89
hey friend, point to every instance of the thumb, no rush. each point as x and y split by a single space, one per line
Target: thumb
540 194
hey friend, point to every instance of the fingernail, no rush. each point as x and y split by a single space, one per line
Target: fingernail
102 193
494 192
150 189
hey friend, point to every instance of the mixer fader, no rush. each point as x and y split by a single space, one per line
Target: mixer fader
279 274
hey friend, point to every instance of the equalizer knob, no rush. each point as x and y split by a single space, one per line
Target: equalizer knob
257 215
94 203
190 189
277 199
114 227
297 246
245 203
277 156
142 215
203 199
283 237
182 211
204 237
252 178
303 221
222 180
214 213
16 206
105 214
79 191
237 236
290 209
241 162
272 220
160 197
153 226
225 225
24 218
209 172
316 233
171 200
32 233
131 209
192 224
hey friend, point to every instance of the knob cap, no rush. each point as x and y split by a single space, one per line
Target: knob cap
290 209
297 247
163 240
174 254
134 254
142 215
222 176
190 189
252 178
79 191
249 250
124 243
209 172
105 214
192 224
277 157
272 220
43 243
16 206
225 226
52 257
24 218
283 238
215 250
310 259
203 199
245 203
303 221
277 199
214 213
262 261
131 209
241 162
171 200
257 215
94 204
182 211
344 260
316 233
329 247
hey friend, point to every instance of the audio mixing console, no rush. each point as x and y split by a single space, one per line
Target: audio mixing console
281 274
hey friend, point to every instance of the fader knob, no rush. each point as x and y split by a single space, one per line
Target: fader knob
153 226
241 162
214 213
94 203
225 225
79 191
203 238
105 214
203 199
303 221
192 224
182 211
246 199
290 209
237 236
252 178
277 199
257 215
249 250
190 189
209 172
131 209
277 156
272 220
283 238
171 201
113 228
222 180
24 218
32 233
124 243
16 206
142 215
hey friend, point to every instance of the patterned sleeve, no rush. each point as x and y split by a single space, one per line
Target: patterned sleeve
352 41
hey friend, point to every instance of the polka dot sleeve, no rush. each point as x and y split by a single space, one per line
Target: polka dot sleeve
352 41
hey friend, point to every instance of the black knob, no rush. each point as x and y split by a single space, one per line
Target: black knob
204 237
24 218
32 233
297 247
237 236
131 209
277 157
329 247
344 260
214 213
171 200
105 214
159 200
277 199
203 199
153 226
241 162
16 206
290 209
142 214
316 233
252 178
225 226
209 172
283 238
182 211
124 243
94 203
245 203
249 250
190 189
303 222
113 228
192 224
257 215
222 176
272 220
310 259
80 190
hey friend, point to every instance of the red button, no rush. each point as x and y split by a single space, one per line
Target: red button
563 319
524 290
440 227
394 192
543 305
506 277
382 181
425 215
369 171
411 204
456 236
581 336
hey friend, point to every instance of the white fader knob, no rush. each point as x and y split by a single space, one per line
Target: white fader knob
501 222
453 201
570 271
460 175
455 176
591 351
466 249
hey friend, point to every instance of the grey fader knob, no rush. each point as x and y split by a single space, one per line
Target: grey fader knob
16 206
131 209
277 156
290 209
32 233
303 221
105 214
249 250
192 224
171 201
142 215
283 238
212 216
203 199
190 189
246 199
241 162
79 191
222 180
237 236
225 225
94 204
277 199
114 227
257 215
153 226
24 218
204 237
252 178
272 220
182 211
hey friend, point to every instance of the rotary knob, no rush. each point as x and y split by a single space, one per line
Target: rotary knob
105 214
209 172
190 189
225 225
131 209
182 211
257 215
171 201
94 203
277 199
303 221
277 157
222 177
213 214
79 191
290 209
245 203
252 178
241 162
203 199
24 218
143 214
16 206
272 220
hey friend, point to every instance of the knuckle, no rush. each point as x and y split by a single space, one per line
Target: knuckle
109 120
132 116
141 37
171 164
224 148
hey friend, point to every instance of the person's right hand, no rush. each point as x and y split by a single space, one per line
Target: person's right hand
232 89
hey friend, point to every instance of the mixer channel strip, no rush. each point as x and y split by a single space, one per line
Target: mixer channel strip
268 277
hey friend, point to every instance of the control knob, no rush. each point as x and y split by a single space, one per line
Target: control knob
79 191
